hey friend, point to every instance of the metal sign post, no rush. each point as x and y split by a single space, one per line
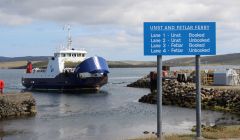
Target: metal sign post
159 96
179 38
198 97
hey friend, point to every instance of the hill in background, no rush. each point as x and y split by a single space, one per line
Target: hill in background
226 59
41 61
25 58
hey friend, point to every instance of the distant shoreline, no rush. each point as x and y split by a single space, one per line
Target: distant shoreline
110 66
42 61
43 64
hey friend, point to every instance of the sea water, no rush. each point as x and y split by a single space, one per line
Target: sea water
113 113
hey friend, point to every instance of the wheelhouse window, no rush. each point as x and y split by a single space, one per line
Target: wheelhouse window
68 54
74 55
63 55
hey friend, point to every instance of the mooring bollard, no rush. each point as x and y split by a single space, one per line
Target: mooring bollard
165 73
1 86
153 81
29 67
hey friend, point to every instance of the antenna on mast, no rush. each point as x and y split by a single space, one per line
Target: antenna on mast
69 44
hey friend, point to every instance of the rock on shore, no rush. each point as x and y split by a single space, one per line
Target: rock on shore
184 94
141 83
17 105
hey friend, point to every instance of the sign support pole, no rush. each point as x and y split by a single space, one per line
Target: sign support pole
159 97
198 98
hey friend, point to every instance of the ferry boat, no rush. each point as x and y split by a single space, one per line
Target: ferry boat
90 74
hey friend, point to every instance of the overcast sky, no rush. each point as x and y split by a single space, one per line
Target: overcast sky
109 28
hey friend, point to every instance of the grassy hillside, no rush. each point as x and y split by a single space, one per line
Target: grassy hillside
25 58
41 61
227 59
126 64
15 64
43 64
120 64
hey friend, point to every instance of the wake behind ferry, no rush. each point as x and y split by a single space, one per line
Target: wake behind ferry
90 74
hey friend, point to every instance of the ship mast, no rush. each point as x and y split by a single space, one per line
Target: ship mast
69 44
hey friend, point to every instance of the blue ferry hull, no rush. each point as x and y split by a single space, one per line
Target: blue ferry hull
65 83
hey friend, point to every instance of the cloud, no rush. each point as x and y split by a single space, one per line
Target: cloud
124 12
13 20
124 18
117 44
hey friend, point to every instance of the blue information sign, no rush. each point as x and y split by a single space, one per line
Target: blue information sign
179 38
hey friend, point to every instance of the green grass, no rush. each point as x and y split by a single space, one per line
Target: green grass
169 137
217 132
213 132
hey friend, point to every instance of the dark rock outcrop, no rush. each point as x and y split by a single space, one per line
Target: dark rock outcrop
17 105
184 94
141 83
